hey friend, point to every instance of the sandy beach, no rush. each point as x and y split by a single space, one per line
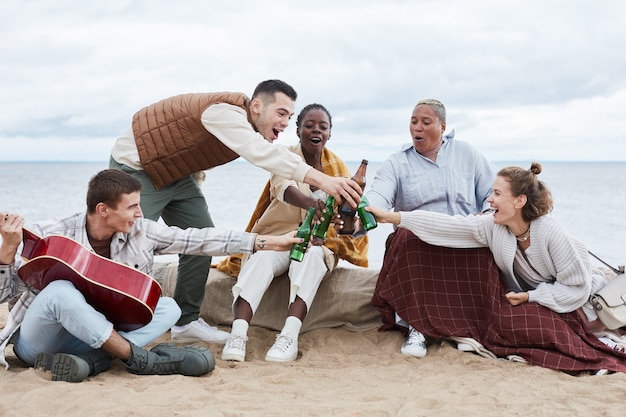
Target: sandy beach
337 373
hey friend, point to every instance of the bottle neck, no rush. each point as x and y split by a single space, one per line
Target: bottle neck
309 215
359 176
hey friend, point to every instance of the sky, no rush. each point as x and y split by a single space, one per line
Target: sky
537 80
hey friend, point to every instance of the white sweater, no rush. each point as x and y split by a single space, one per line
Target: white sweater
562 261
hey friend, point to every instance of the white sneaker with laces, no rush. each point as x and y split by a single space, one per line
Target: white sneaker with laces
285 349
415 344
199 331
235 348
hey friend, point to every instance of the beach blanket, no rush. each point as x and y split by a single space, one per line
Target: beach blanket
459 293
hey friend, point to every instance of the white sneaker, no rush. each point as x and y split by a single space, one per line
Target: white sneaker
235 348
198 331
285 349
415 344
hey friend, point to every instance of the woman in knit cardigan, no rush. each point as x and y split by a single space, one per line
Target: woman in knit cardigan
545 277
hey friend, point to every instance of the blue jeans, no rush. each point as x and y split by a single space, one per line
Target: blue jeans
59 320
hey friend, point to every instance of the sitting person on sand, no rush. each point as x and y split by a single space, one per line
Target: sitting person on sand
435 172
282 207
58 330
528 297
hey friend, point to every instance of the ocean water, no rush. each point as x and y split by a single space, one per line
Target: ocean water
590 198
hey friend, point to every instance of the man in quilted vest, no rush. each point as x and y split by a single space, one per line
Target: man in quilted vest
170 140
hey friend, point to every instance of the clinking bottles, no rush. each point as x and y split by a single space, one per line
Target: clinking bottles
320 229
346 212
304 231
367 219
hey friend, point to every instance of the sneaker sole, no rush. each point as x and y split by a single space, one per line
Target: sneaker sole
64 367
414 354
233 357
196 339
44 361
269 358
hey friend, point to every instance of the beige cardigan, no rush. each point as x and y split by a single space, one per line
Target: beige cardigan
562 261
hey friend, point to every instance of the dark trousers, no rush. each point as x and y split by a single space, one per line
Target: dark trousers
180 204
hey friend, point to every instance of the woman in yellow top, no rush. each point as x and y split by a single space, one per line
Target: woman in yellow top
282 207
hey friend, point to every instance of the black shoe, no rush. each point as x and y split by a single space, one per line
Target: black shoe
74 368
197 360
168 359
64 367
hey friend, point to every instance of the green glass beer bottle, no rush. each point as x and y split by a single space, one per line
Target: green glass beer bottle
320 229
304 231
368 221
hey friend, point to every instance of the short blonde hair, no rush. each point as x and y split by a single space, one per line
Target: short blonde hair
437 106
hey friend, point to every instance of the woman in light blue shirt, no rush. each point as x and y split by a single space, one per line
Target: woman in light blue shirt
435 173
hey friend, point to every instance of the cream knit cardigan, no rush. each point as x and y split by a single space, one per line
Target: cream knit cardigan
561 260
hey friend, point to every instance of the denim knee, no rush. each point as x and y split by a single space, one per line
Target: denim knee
169 310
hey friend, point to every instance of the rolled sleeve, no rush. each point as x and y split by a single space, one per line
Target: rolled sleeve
8 282
229 124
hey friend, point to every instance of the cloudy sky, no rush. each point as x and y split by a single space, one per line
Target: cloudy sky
541 79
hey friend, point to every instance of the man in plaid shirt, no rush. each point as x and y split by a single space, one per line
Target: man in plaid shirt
57 330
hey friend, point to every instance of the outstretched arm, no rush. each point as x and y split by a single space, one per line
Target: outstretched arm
230 125
384 216
339 187
277 243
295 197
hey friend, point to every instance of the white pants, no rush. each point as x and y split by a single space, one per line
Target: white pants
257 274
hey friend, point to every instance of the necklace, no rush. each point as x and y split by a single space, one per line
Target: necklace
524 236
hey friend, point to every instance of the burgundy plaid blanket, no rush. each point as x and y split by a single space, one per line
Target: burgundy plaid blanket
445 292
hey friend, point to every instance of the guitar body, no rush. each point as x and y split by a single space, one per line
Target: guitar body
127 297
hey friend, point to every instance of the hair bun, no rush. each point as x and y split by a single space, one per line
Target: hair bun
535 168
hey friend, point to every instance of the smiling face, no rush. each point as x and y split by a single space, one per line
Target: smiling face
123 216
314 131
271 117
507 207
426 128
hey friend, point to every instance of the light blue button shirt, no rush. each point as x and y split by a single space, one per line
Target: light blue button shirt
458 183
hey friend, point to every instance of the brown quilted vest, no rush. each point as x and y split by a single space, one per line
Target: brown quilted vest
173 143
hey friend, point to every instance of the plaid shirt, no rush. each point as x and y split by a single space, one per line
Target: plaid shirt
135 249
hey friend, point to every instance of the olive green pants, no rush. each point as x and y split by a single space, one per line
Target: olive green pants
180 204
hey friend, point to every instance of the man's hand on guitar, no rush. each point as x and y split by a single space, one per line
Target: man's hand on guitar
11 232
277 243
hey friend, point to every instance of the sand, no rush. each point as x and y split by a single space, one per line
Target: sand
337 373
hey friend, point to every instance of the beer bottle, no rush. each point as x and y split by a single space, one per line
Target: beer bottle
367 219
320 229
304 231
346 212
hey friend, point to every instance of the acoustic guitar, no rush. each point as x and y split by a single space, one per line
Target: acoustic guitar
127 297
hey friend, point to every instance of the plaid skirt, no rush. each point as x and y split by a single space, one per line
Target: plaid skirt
444 293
